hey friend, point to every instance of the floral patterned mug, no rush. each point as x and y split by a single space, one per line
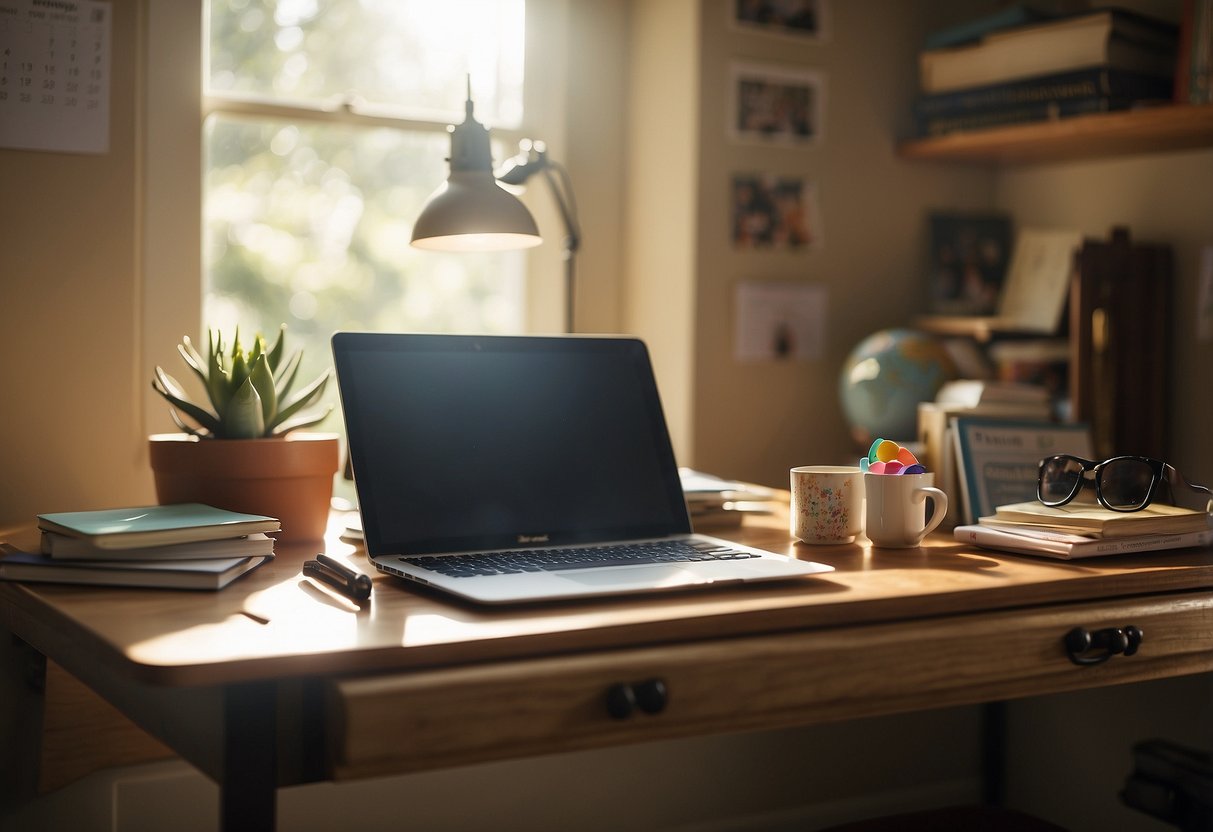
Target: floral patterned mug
827 503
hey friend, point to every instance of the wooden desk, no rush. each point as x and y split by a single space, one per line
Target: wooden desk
274 682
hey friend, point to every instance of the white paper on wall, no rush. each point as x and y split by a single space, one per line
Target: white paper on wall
55 75
780 321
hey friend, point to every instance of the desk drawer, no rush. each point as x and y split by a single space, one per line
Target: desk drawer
438 718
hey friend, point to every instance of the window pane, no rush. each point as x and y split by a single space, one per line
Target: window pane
410 56
310 225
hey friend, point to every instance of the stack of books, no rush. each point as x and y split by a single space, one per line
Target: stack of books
187 546
713 502
1082 531
1022 66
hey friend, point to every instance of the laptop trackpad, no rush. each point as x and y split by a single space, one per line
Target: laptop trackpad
654 576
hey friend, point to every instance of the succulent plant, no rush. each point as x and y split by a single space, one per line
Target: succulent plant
249 391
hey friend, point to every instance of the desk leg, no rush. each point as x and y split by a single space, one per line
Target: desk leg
22 684
994 753
248 790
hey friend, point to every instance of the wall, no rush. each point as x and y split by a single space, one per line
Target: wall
71 375
755 420
662 190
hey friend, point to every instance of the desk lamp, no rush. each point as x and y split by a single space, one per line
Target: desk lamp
472 212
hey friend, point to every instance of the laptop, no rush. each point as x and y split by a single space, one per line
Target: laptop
506 469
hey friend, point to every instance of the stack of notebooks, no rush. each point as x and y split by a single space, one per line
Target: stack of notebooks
1022 65
1083 531
187 546
713 502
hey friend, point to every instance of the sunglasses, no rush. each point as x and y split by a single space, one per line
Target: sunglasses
1122 483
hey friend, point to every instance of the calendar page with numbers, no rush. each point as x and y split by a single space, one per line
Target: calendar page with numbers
55 75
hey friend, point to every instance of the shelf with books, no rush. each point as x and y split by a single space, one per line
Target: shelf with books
1157 129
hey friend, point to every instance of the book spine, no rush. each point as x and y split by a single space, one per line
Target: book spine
1030 114
1183 57
1064 86
1200 61
1112 546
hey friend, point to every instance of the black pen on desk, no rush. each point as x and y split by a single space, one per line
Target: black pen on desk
349 582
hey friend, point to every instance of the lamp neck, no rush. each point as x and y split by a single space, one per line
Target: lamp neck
470 149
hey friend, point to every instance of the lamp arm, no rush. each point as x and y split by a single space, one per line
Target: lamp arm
532 160
562 192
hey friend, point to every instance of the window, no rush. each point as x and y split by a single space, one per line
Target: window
325 132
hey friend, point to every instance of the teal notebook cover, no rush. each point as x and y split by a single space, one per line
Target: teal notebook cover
156 524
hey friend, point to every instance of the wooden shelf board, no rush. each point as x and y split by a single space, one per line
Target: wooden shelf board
1149 130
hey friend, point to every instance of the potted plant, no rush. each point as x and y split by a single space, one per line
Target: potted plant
242 452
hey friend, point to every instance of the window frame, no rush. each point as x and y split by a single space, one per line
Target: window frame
175 110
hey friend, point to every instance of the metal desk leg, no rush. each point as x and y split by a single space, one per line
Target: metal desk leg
248 789
22 684
994 753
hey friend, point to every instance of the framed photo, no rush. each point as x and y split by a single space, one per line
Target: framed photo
801 19
773 212
776 105
969 258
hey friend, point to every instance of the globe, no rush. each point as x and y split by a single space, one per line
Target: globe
885 377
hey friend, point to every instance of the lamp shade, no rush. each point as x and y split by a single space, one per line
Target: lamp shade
471 212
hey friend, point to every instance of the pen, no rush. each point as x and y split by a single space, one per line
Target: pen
348 582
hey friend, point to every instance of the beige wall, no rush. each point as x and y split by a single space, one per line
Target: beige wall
756 420
662 190
70 375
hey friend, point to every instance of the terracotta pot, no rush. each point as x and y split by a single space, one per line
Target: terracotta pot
289 477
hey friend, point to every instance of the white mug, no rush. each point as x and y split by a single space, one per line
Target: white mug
827 503
897 511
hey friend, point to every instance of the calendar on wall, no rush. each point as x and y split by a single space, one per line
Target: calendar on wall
55 75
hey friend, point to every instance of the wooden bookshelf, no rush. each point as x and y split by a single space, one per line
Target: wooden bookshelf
1099 135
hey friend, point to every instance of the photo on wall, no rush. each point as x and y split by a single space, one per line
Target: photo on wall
969 258
780 320
801 19
774 212
776 105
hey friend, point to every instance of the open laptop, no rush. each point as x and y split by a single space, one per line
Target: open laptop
512 468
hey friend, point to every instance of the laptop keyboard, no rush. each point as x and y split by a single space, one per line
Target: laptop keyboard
581 557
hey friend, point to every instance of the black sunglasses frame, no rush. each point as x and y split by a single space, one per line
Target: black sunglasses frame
1160 471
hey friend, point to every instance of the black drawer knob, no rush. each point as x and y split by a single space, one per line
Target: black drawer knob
1087 648
651 696
620 700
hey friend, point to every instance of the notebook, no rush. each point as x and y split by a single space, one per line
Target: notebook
508 469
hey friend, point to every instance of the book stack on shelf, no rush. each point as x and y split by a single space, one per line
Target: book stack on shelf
1022 65
1082 531
186 546
713 502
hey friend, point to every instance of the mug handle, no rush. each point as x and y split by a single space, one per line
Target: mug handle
940 508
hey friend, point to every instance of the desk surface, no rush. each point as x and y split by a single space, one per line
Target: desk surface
274 624
274 681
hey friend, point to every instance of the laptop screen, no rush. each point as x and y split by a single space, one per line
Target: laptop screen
465 442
